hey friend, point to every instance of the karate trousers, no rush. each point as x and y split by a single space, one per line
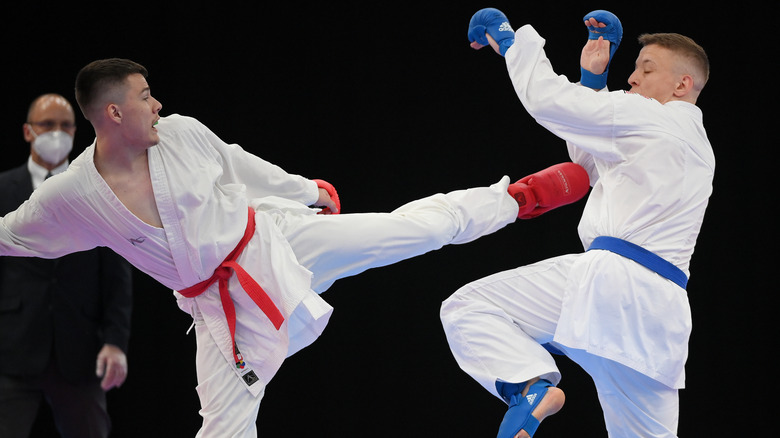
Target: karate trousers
496 327
338 246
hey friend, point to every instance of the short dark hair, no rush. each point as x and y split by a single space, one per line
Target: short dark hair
682 45
99 76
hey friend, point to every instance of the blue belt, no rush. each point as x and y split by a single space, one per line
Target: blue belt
642 256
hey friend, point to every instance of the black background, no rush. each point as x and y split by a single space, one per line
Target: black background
387 101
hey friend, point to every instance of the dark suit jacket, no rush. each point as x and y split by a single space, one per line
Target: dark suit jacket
68 307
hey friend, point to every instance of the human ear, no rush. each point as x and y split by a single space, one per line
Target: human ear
113 113
28 137
684 86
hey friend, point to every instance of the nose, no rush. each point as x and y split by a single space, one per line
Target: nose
632 80
157 106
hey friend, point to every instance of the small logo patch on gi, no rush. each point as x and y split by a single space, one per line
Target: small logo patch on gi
250 378
244 370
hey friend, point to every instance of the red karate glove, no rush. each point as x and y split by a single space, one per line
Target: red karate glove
550 188
334 197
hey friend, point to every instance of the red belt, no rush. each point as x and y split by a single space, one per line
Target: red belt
250 286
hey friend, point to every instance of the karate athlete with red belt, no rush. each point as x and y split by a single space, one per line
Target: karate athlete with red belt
234 235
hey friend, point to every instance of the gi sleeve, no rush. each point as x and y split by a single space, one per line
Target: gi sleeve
33 231
260 177
581 116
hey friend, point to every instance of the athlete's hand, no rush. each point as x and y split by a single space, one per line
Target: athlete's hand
329 206
491 42
604 35
328 199
595 53
490 24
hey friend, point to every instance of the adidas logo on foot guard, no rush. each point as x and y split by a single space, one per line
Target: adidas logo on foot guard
531 398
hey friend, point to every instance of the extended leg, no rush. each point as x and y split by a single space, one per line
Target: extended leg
334 247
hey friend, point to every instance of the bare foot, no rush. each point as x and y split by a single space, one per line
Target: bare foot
551 403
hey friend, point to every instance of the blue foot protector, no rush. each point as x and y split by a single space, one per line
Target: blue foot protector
494 22
613 33
518 417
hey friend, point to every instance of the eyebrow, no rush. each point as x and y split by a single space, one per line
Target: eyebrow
644 62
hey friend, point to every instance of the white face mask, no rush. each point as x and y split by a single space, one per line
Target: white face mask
52 146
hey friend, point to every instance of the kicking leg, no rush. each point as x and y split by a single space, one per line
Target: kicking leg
338 246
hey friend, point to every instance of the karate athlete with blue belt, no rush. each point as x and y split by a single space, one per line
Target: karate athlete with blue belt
620 309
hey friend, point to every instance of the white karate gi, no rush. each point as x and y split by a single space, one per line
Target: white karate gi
203 188
651 168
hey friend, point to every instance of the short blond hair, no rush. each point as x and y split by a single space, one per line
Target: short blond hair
684 46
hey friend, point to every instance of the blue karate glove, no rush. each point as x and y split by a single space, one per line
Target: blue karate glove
613 33
495 23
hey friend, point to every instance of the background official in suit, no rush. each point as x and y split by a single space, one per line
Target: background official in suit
64 323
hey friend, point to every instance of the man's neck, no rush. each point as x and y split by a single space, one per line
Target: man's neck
113 156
